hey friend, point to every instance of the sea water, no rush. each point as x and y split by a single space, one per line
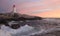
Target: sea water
22 31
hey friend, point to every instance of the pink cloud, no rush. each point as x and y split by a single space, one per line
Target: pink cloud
26 7
32 6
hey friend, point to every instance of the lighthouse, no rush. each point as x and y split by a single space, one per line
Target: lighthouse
14 9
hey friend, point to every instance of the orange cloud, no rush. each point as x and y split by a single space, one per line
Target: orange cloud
50 14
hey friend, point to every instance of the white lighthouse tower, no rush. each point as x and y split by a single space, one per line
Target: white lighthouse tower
14 9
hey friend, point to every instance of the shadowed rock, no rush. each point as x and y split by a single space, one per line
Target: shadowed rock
15 26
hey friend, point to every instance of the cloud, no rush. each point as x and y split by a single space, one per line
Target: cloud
44 10
46 5
39 11
30 6
29 0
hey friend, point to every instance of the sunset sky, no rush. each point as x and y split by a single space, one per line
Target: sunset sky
42 8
